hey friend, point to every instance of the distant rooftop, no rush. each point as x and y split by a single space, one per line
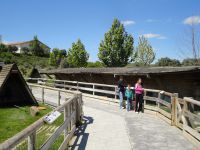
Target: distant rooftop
122 70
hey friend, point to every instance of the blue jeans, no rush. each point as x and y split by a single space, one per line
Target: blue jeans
128 107
120 100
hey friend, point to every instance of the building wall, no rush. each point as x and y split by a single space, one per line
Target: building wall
186 84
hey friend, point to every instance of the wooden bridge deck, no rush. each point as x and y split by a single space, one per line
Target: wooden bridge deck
107 127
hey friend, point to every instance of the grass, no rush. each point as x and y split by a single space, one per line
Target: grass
14 120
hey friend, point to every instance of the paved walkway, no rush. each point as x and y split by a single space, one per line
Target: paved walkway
108 128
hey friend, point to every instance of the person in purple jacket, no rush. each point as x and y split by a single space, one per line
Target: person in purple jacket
138 93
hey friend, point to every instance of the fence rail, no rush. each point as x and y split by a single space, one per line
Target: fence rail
174 110
72 115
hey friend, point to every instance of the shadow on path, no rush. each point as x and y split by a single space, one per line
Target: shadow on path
80 134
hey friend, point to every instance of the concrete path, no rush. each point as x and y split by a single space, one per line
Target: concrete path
108 128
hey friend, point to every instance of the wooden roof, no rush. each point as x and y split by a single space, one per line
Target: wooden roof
122 70
10 80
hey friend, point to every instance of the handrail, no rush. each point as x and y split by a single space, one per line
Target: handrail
173 111
73 106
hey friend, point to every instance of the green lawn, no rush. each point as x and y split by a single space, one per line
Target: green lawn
14 120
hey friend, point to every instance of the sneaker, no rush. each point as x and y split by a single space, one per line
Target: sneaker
137 112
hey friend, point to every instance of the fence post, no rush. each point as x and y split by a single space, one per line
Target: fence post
79 109
59 98
115 92
77 84
65 118
93 89
174 108
31 141
158 101
42 95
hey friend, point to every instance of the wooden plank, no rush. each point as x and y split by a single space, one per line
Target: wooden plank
164 118
32 141
192 132
151 107
187 99
56 134
63 146
181 101
166 114
192 116
164 103
149 98
192 139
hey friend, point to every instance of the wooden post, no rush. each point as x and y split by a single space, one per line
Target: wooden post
159 97
42 95
77 86
93 89
173 109
79 109
183 114
65 118
145 94
176 109
31 141
59 98
115 92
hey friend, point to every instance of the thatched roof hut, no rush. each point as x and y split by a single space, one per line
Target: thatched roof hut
13 88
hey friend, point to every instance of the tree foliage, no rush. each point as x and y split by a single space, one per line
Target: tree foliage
56 57
38 49
96 64
191 62
77 55
9 48
144 54
168 62
116 48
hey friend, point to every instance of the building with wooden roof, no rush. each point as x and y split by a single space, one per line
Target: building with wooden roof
182 80
26 44
13 88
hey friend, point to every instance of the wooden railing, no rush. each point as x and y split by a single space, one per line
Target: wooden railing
166 105
72 108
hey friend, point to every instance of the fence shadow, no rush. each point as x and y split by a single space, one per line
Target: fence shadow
82 137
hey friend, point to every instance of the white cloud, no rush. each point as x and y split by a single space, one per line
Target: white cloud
151 20
192 20
128 22
152 35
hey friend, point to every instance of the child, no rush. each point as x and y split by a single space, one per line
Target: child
129 95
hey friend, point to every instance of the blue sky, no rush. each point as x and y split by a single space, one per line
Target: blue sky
59 23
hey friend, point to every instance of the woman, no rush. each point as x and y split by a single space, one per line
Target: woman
138 93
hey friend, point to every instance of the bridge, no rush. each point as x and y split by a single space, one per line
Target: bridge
167 121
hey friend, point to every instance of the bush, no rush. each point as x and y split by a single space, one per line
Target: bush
191 62
168 62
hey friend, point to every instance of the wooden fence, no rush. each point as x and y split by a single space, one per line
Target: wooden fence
72 108
168 106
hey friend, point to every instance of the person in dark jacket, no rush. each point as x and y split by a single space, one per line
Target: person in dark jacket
121 91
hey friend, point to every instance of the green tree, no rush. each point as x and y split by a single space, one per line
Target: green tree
117 47
144 54
191 62
12 49
3 48
96 64
56 56
36 48
168 62
77 55
25 50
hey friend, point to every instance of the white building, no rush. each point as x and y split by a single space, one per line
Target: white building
26 44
